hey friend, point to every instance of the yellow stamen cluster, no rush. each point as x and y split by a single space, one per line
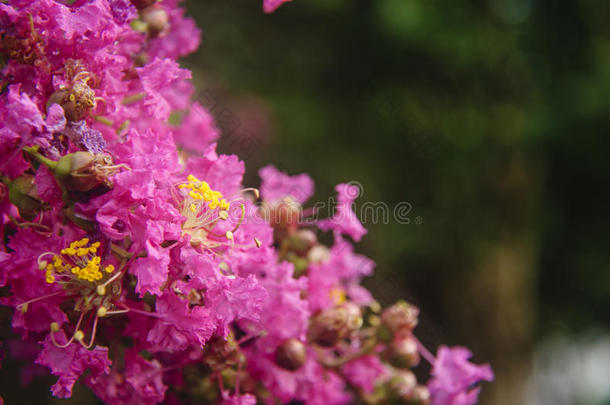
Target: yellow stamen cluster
80 259
337 294
201 191
79 247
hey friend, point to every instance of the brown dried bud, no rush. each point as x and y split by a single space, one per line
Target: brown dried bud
402 352
156 19
291 354
76 101
401 317
334 324
23 194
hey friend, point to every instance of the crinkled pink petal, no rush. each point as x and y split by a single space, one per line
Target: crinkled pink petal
197 130
453 376
276 185
71 362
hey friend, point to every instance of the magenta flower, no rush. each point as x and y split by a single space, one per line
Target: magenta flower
71 362
123 229
277 185
453 377
345 221
271 5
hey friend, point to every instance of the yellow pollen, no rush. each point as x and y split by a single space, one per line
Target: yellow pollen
43 265
79 335
200 190
101 312
80 259
229 235
54 327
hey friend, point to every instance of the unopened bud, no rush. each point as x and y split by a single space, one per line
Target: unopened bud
402 352
81 171
401 317
284 215
300 265
156 19
403 383
301 241
23 194
420 395
318 254
291 354
334 324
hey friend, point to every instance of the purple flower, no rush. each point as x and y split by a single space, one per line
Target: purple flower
454 377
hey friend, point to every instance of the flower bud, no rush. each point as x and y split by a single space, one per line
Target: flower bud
420 395
300 265
402 352
403 383
318 254
334 324
156 19
81 171
400 317
291 354
22 193
284 216
301 241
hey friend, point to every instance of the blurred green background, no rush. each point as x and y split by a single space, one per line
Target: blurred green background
489 117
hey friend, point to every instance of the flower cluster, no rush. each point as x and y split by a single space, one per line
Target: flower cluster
138 264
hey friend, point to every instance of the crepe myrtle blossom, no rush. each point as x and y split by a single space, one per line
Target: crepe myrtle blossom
139 265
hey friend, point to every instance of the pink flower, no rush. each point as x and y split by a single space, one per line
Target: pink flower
271 5
345 221
71 362
197 130
453 377
365 372
276 185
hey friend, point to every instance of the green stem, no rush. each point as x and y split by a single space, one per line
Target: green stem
33 151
